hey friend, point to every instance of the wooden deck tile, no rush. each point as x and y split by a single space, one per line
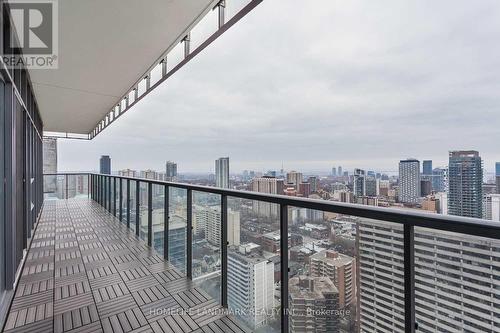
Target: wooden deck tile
86 272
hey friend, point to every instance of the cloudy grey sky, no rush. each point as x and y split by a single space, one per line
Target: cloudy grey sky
312 84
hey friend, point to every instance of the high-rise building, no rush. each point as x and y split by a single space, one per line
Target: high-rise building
491 207
339 171
295 178
425 186
344 196
341 269
222 172
314 181
438 180
443 202
334 171
465 194
207 221
270 185
455 282
304 189
170 171
359 183
409 181
371 186
313 302
497 176
149 174
375 318
105 165
127 173
427 167
250 286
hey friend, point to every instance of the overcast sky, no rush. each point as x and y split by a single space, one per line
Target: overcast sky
315 84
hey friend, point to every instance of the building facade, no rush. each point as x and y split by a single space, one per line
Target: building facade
313 303
250 285
207 222
456 280
295 178
105 165
222 172
491 207
497 176
270 185
465 194
427 167
359 185
341 269
170 171
409 181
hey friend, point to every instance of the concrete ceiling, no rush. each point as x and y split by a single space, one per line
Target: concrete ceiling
104 48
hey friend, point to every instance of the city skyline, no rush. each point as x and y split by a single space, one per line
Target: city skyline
491 172
381 89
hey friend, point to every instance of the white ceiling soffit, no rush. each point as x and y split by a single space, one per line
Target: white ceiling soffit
104 49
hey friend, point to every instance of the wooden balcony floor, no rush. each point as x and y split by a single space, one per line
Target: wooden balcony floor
86 272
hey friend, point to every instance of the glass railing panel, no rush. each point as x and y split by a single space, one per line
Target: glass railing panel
457 282
380 265
111 201
158 214
125 200
117 197
105 180
143 210
132 204
77 186
207 233
177 228
254 259
322 285
54 187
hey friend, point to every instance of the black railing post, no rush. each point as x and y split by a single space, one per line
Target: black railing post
89 180
66 179
105 191
150 214
189 245
284 266
105 194
121 200
137 206
128 203
114 196
409 277
166 216
99 187
224 245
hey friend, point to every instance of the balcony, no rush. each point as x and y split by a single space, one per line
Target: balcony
87 272
125 234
